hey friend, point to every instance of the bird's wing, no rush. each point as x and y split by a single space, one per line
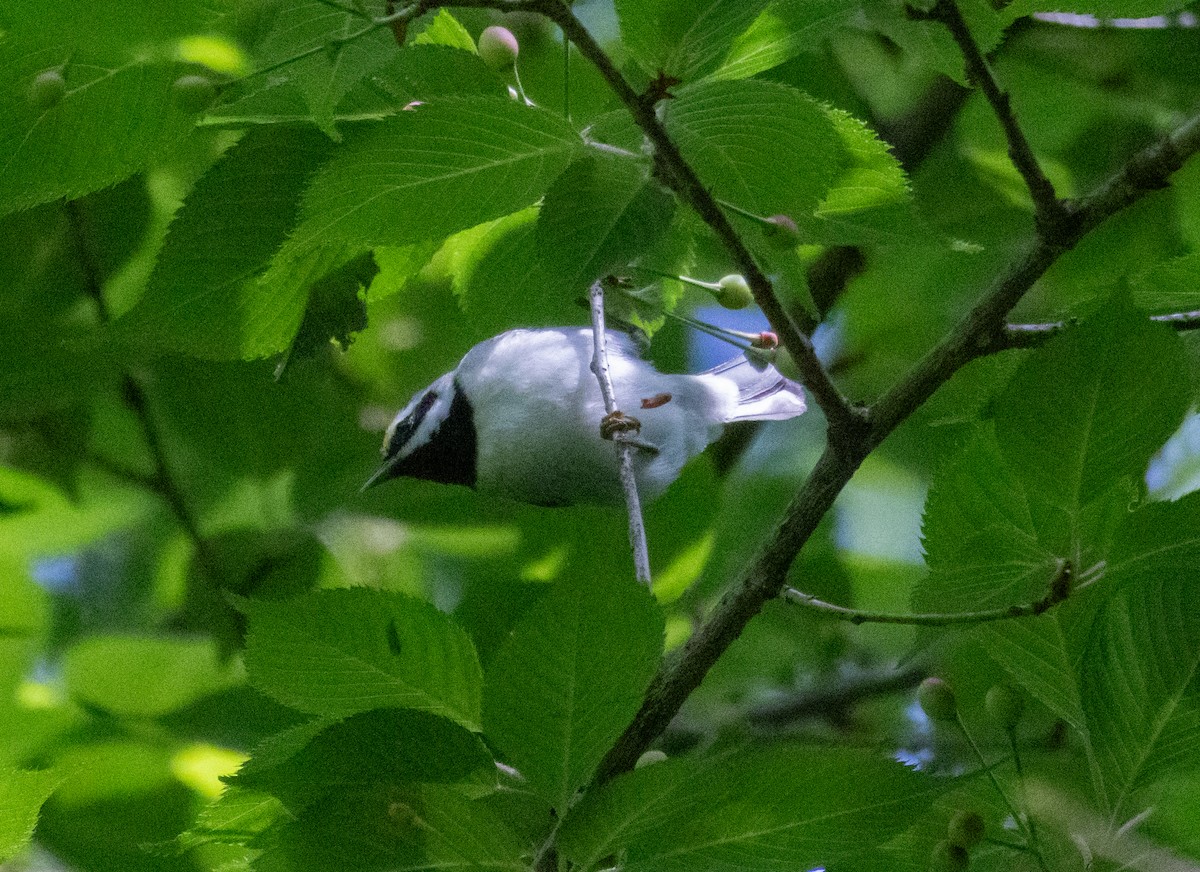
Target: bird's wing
764 394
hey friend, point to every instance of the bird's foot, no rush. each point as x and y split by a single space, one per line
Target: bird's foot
618 422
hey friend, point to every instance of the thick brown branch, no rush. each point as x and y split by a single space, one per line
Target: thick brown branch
683 671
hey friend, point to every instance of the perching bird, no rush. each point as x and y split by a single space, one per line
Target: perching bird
520 417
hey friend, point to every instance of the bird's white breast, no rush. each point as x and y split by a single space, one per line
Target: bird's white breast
537 409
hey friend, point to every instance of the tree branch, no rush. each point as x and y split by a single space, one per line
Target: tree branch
843 418
682 672
625 445
981 330
1048 211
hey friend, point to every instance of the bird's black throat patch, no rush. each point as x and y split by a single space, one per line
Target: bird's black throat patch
449 456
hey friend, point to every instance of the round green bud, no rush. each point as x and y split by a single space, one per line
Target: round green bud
649 758
786 364
499 48
733 292
937 700
1005 705
194 93
946 857
781 231
965 829
47 90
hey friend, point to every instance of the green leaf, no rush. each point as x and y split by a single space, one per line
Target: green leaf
986 550
118 112
397 265
570 678
415 828
428 71
927 41
781 808
445 30
980 537
683 39
443 167
339 652
783 30
1092 406
600 214
870 201
1158 540
325 77
1140 685
501 281
382 746
336 308
236 817
1171 286
322 287
133 676
21 796
763 147
202 298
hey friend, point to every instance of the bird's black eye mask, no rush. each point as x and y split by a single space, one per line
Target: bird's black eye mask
406 428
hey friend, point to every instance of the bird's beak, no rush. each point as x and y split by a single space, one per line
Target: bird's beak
386 471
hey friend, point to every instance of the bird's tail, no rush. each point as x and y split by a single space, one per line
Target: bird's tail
764 393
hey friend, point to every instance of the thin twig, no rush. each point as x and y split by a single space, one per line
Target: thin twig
625 446
159 480
834 699
1060 589
1048 210
1035 335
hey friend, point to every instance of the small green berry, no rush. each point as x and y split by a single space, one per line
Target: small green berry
733 292
649 758
47 90
781 231
786 364
965 829
1005 705
499 48
946 857
937 700
194 93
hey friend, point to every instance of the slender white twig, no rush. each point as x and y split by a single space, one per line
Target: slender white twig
625 441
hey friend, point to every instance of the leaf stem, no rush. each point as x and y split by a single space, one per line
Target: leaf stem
1022 821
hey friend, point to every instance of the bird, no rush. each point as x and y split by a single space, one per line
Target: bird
520 417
